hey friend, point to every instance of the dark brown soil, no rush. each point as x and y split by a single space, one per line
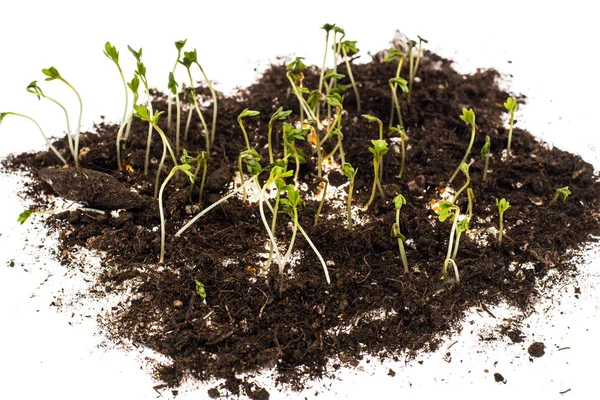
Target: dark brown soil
370 307
537 349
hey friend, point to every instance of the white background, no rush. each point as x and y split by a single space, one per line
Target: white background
554 61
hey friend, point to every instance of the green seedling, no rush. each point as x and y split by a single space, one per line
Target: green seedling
278 115
140 72
337 51
327 28
189 59
200 289
350 172
179 46
502 205
469 117
335 101
278 174
323 197
24 216
379 149
189 95
290 206
400 132
348 47
290 136
399 201
295 76
392 55
394 84
112 54
464 168
252 161
51 75
511 107
173 85
449 210
201 161
563 191
244 114
414 66
185 168
374 119
485 154
48 142
34 89
134 86
471 199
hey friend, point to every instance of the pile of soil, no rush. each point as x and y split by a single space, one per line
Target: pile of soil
370 307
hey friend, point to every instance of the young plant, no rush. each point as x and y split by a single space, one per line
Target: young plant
112 54
379 149
192 56
34 89
485 154
134 86
335 101
48 142
414 66
278 173
53 74
252 161
327 28
290 136
471 199
295 76
350 173
400 132
185 168
511 107
348 47
394 83
179 46
201 161
278 115
464 168
173 85
244 114
399 201
502 205
200 290
469 117
392 55
323 197
290 206
449 210
372 118
337 51
189 59
563 191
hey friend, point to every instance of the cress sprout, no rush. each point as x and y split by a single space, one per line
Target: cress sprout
485 154
392 55
246 113
290 135
414 66
464 168
511 106
563 191
399 201
201 161
400 132
469 117
278 115
179 46
325 183
379 149
112 54
502 205
348 47
252 161
350 172
190 58
449 210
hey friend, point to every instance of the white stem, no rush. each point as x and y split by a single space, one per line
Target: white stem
316 252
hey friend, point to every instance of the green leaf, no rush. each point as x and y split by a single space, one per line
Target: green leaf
371 118
328 27
510 104
468 116
485 150
141 112
335 100
395 233
380 147
297 65
173 83
51 73
349 171
464 167
393 54
141 69
502 205
338 29
564 192
200 289
280 114
35 89
350 47
399 201
179 44
248 113
398 131
190 57
252 160
422 40
447 209
331 74
24 216
134 85
462 225
136 54
401 82
3 114
111 52
190 95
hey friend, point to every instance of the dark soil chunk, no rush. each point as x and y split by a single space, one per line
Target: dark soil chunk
537 349
499 378
370 308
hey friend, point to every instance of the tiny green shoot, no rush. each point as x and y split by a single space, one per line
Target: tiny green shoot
348 47
485 154
200 289
24 216
246 113
563 191
415 66
449 210
467 116
350 172
278 115
189 59
394 83
399 201
392 55
511 107
379 149
400 132
179 46
323 197
464 168
502 205
112 54
290 136
252 160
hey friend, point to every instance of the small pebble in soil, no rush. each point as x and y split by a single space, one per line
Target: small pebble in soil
178 304
391 373
536 349
499 378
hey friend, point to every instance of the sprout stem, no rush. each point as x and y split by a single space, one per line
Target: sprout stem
322 201
312 245
351 79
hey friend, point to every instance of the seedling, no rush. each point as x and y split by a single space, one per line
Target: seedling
349 171
33 88
185 168
449 210
179 46
464 167
24 216
134 86
48 142
336 53
399 131
173 85
290 135
200 290
349 47
278 174
190 58
563 191
511 107
201 161
335 101
399 201
290 206
327 28
279 115
392 55
471 199
372 118
111 52
414 66
469 117
502 205
295 76
244 114
379 149
485 154
252 161
53 74
323 197
394 83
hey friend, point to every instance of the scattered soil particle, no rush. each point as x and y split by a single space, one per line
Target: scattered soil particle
499 378
537 349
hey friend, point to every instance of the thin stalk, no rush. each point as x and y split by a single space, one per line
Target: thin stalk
403 149
320 143
463 187
269 135
312 245
396 103
245 134
471 198
69 133
196 171
322 201
510 132
124 120
203 180
187 125
352 80
287 255
401 244
177 123
464 160
303 105
350 192
241 170
394 89
273 226
214 96
450 242
486 166
324 61
78 123
149 140
204 126
158 171
162 217
375 181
